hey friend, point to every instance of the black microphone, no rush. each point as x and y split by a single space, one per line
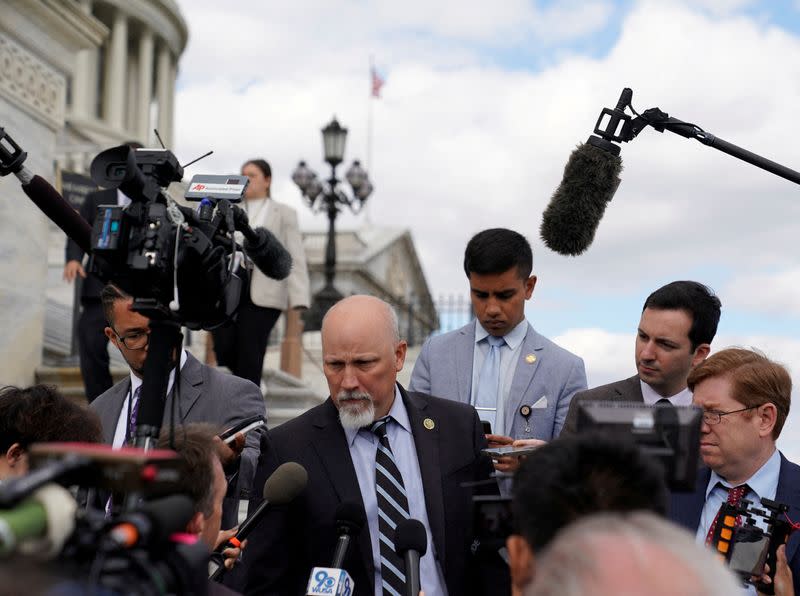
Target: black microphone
263 248
268 254
411 543
350 518
282 487
154 522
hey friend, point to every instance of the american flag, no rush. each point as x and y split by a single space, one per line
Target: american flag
377 83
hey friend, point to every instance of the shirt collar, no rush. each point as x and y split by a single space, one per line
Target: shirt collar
764 482
136 381
398 412
682 398
513 338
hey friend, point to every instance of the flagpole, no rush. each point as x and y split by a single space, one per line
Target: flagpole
368 165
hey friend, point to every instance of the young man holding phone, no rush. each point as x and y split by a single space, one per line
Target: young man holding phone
520 382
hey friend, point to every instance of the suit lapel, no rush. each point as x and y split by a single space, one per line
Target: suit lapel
189 388
788 492
630 390
687 507
330 444
426 442
111 416
464 358
523 376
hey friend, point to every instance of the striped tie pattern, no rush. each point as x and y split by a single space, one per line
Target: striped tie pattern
134 414
392 509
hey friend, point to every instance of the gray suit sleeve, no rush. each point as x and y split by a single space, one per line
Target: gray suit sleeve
421 375
576 381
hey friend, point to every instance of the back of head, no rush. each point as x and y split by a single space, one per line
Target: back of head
40 414
576 476
755 380
195 444
497 250
697 300
629 554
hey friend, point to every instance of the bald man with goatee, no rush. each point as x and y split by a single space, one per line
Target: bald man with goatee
395 453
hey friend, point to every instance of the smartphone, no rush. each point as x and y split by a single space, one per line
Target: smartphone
487 427
244 427
495 452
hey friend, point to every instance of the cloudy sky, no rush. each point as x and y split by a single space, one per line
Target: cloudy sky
483 103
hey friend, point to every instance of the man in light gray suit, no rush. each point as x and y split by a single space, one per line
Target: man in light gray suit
518 380
678 324
204 395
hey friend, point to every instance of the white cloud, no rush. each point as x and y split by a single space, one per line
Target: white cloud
775 293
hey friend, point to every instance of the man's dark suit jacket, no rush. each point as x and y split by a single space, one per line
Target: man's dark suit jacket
628 390
685 508
293 539
92 285
205 395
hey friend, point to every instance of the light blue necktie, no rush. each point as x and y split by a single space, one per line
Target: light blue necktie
489 382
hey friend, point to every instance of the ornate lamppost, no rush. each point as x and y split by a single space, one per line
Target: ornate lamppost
328 196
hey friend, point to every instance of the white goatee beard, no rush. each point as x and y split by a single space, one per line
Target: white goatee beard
356 410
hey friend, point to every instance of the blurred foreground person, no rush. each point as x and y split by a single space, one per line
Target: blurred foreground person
568 479
629 555
39 414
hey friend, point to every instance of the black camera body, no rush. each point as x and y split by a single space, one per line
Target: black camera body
748 537
177 266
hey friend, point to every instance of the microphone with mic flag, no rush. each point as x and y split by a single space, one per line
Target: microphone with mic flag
334 580
411 543
591 176
350 518
284 485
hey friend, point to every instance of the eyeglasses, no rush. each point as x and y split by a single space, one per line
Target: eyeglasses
136 340
710 417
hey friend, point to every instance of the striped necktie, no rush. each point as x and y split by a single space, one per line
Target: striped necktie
392 509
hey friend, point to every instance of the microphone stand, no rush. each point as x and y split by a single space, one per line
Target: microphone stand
662 121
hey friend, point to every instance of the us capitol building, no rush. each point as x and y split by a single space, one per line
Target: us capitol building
76 77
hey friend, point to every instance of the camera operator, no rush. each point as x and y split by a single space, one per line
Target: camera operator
39 414
202 393
204 482
745 399
569 478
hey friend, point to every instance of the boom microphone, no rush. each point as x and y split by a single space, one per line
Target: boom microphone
268 254
282 487
591 178
350 518
411 543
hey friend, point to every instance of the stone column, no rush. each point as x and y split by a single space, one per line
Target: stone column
145 85
292 344
116 62
84 79
164 84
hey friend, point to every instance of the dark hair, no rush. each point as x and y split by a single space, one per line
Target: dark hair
755 380
579 475
262 165
41 414
195 444
697 300
108 297
496 251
